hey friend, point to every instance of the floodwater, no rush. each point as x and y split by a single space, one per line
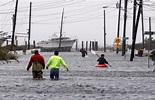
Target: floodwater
125 80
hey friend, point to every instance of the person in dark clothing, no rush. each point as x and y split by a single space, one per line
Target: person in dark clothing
102 60
84 52
38 64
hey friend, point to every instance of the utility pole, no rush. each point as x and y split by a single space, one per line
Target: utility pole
14 25
104 34
135 30
149 45
142 24
118 27
150 34
29 31
124 31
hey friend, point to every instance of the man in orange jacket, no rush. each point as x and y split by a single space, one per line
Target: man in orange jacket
38 64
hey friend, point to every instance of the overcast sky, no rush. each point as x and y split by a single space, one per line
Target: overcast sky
83 19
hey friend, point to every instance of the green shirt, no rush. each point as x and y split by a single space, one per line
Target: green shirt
55 61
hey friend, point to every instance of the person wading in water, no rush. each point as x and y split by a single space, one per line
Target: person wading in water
38 64
54 63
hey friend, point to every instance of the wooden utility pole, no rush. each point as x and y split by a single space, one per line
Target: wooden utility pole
124 30
29 31
142 24
135 28
149 45
118 27
150 40
14 25
104 34
61 29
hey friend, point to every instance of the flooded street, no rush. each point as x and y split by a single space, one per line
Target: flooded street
125 80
